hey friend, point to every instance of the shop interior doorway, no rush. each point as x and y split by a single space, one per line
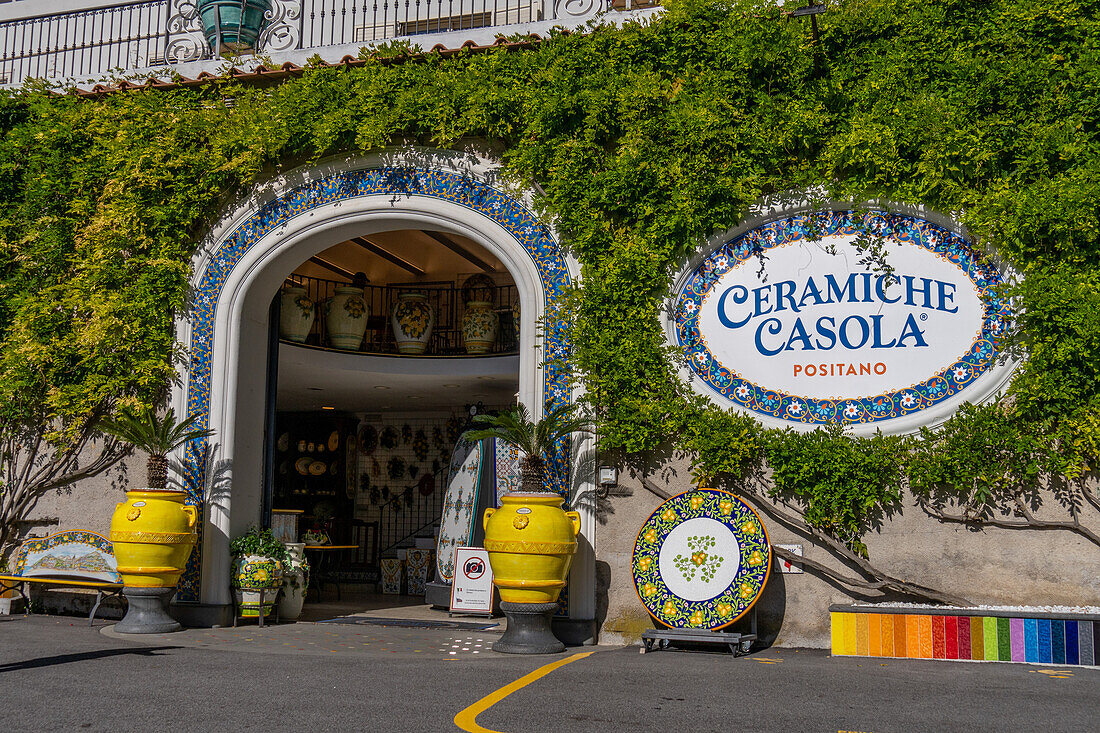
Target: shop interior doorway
385 346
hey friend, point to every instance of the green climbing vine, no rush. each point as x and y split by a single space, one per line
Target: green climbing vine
643 141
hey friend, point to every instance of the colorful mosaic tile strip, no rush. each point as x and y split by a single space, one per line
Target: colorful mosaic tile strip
977 638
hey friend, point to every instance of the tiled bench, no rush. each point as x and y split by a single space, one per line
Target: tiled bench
965 634
73 559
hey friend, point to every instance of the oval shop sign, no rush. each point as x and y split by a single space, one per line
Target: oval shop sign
816 336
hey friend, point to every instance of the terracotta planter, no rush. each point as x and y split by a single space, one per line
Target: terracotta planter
346 316
295 315
531 543
153 532
412 322
479 327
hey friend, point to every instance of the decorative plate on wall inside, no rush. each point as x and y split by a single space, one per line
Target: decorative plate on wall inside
701 560
283 442
334 440
368 439
302 465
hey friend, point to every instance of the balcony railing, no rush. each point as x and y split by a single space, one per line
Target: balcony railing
132 35
445 300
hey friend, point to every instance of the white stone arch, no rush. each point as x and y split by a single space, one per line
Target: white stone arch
246 257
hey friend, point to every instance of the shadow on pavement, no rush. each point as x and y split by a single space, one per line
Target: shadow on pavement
81 657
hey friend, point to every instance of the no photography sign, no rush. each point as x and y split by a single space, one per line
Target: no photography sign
472 590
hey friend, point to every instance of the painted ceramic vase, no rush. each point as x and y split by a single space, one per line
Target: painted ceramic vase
153 532
346 316
515 319
412 322
477 288
295 582
252 573
295 315
531 543
479 327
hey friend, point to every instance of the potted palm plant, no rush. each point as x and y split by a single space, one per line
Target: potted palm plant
531 540
153 531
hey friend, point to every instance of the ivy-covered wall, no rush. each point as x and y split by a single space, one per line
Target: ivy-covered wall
642 141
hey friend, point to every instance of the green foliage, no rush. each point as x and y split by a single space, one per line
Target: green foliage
537 440
155 435
259 542
646 139
843 486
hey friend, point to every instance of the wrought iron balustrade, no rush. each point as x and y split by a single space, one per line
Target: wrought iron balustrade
445 300
148 33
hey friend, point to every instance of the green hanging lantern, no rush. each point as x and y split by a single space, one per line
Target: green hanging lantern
232 25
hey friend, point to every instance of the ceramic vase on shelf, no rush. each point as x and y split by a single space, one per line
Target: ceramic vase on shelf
412 322
346 316
295 315
295 582
479 327
515 320
251 574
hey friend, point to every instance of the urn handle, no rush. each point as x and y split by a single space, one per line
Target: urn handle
575 518
192 515
485 520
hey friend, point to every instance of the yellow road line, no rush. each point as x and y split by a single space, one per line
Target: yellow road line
467 719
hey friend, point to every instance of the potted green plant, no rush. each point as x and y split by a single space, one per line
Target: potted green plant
259 560
153 531
531 540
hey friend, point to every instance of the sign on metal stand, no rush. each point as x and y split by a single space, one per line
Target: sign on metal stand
472 589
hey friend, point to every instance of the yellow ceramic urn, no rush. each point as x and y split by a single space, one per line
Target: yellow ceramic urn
153 532
531 543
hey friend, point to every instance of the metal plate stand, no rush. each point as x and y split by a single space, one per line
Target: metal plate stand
737 643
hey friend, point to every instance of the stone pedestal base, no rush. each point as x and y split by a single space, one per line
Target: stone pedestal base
528 629
147 611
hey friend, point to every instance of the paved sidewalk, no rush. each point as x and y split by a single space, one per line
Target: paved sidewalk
59 674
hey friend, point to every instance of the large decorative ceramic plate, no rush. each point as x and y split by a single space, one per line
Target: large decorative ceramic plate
701 560
459 505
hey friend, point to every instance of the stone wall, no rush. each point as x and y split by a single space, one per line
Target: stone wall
992 566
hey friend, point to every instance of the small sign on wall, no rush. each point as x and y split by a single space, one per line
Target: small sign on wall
472 589
787 566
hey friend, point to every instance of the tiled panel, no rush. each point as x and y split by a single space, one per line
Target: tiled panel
850 632
1072 654
1016 638
861 634
874 635
938 640
836 633
1031 640
1085 643
989 631
1044 640
977 638
924 636
900 635
964 637
1004 640
1057 641
951 637
912 637
888 635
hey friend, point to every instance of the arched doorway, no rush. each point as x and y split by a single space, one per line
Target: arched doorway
284 222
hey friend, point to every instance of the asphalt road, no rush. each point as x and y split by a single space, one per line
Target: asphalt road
59 674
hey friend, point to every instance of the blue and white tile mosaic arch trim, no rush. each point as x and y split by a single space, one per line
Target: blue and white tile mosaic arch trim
475 195
794 408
